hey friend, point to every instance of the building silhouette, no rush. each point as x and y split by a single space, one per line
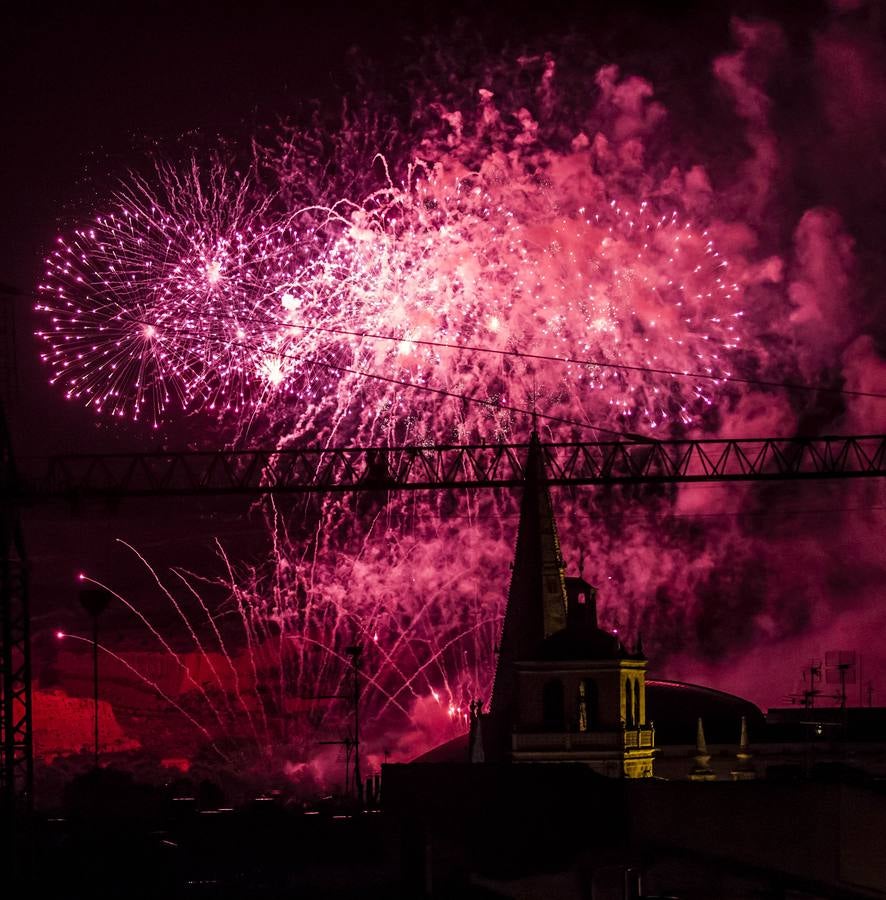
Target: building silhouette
565 690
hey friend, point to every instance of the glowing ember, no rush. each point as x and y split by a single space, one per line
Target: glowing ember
213 273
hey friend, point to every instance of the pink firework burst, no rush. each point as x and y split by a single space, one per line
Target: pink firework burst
430 312
421 302
162 298
438 311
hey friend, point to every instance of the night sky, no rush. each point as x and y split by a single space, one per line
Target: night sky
94 89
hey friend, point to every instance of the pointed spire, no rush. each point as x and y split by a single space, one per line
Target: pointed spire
638 650
541 527
702 770
537 596
744 768
701 746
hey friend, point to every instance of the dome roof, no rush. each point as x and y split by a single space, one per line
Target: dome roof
675 708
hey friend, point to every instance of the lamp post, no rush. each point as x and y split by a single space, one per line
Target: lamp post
355 652
94 602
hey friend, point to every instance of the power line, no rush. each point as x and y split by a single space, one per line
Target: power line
725 514
785 385
758 382
515 354
489 404
499 352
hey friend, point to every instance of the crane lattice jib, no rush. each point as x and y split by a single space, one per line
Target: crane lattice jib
304 470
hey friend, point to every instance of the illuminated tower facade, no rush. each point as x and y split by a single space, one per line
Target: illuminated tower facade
565 690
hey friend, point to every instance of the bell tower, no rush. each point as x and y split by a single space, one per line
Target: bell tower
565 690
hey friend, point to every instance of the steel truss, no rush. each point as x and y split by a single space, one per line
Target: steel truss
306 470
16 764
17 770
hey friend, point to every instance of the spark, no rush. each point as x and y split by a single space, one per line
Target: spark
213 273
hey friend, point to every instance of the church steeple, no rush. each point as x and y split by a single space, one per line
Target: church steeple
538 562
565 690
537 596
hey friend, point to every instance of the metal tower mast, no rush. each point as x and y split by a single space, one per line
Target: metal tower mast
17 762
17 765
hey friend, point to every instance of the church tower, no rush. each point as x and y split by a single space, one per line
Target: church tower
565 690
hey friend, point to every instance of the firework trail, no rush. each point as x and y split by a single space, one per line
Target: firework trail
152 685
430 308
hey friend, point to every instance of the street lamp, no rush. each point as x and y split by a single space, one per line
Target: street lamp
94 602
355 652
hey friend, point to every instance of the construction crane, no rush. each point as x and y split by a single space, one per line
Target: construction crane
337 469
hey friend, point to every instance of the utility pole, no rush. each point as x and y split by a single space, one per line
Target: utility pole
355 651
94 602
351 743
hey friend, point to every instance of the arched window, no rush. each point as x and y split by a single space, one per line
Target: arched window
552 706
637 719
587 705
629 704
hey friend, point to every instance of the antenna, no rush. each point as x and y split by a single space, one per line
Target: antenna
811 674
351 743
841 668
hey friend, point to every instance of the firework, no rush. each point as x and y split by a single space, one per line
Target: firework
161 299
437 289
451 288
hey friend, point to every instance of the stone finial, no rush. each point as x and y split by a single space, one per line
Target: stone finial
744 767
475 737
702 770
